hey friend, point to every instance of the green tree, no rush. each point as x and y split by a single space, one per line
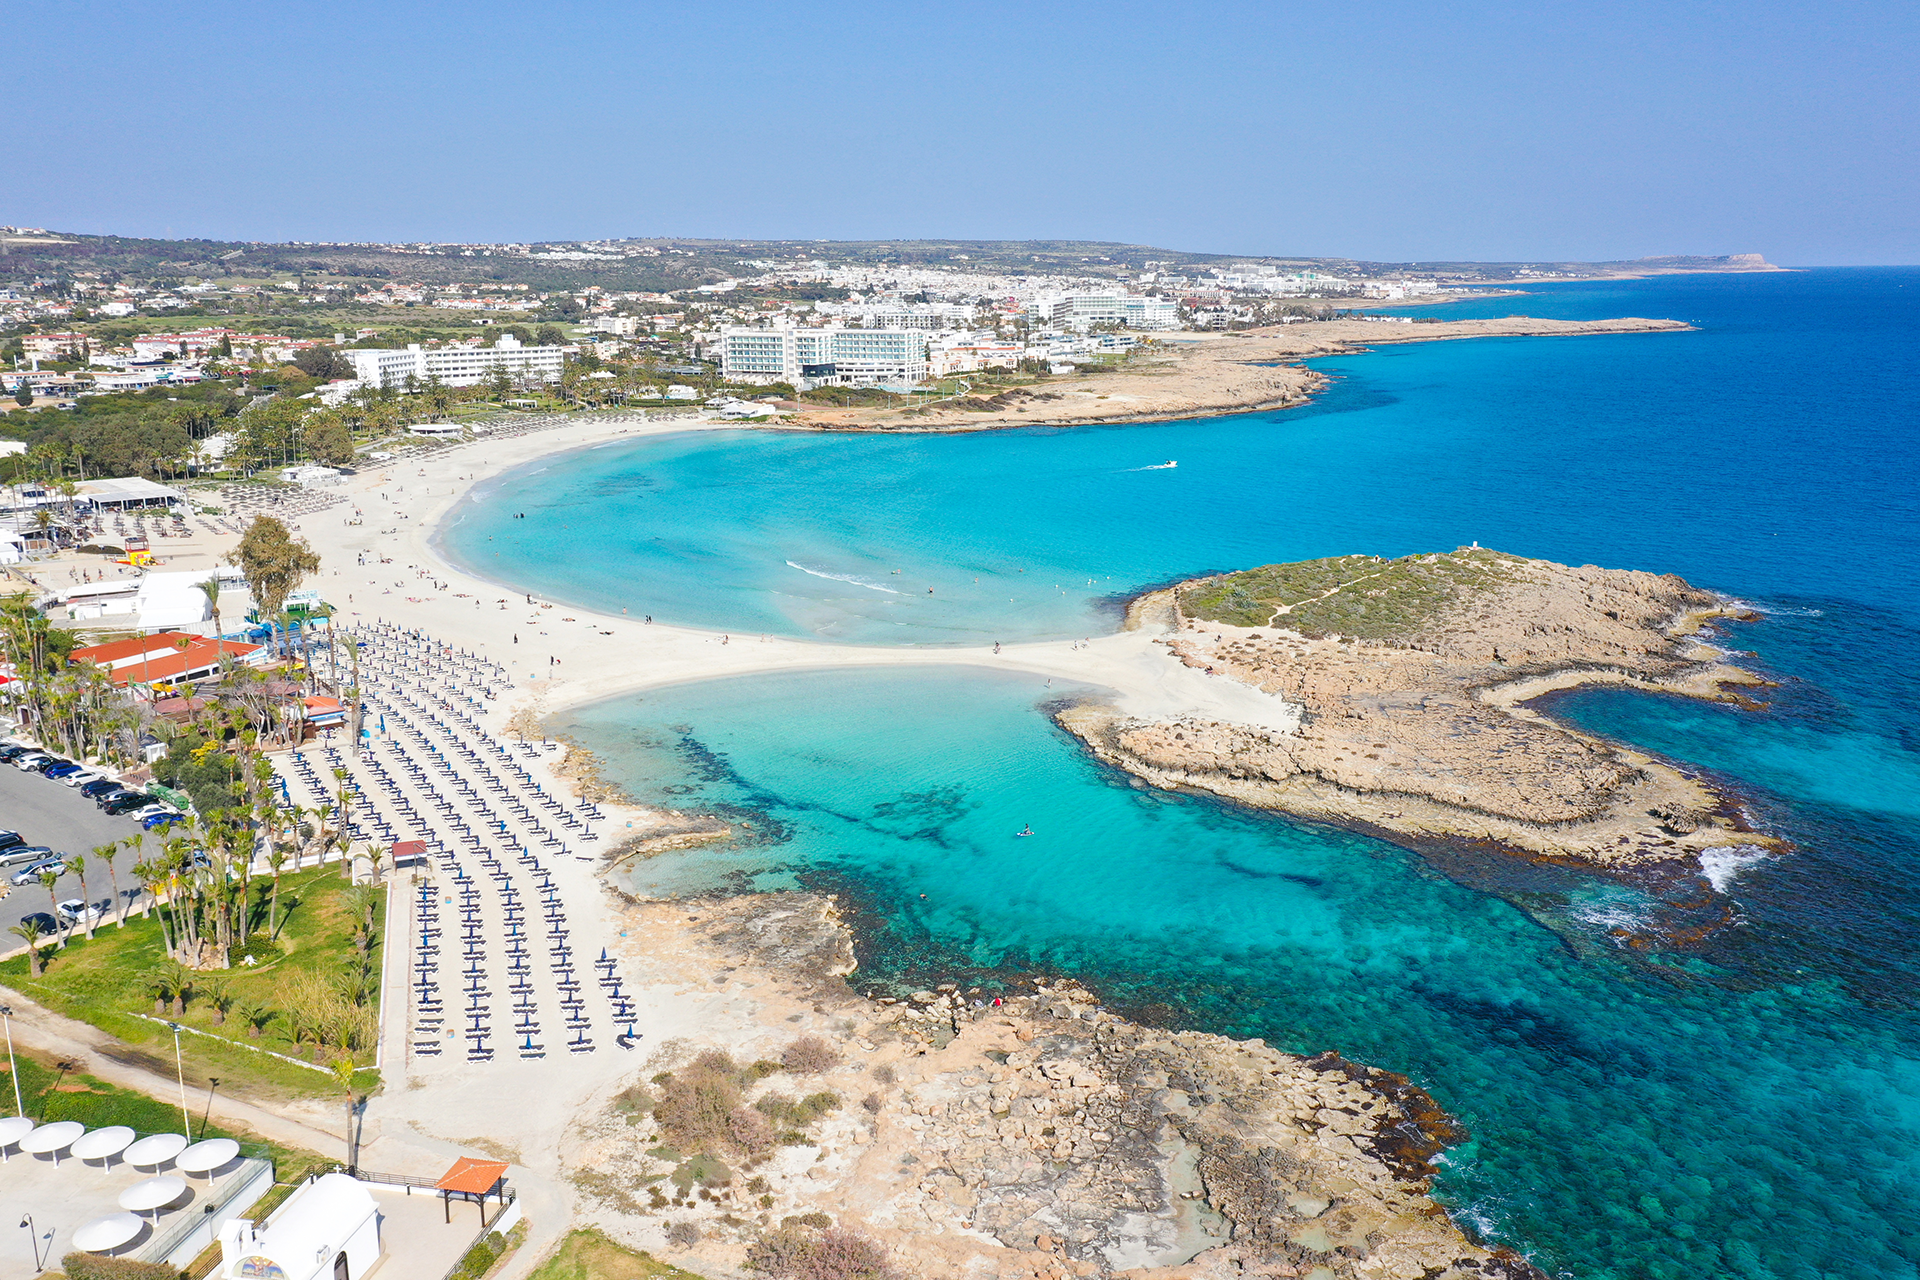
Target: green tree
327 440
30 932
274 562
23 394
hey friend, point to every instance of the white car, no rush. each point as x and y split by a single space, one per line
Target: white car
74 911
31 760
83 777
141 815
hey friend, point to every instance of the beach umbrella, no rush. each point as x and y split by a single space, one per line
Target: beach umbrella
12 1129
103 1235
153 1193
155 1151
52 1138
103 1144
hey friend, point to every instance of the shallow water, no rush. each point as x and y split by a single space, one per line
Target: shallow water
1744 1107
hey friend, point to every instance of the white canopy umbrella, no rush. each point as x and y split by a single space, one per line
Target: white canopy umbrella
205 1157
153 1193
103 1144
12 1129
156 1150
103 1235
55 1138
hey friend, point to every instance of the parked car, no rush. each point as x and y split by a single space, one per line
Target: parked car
29 874
162 820
149 810
99 787
120 806
8 839
81 777
22 854
46 922
30 760
10 753
59 769
119 792
76 912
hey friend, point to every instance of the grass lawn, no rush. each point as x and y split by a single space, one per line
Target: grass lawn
52 1093
103 982
588 1255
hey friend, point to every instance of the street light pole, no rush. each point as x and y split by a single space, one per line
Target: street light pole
186 1117
6 1016
33 1238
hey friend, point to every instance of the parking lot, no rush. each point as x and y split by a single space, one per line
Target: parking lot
46 812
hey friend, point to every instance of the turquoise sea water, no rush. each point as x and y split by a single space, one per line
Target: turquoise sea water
1746 1105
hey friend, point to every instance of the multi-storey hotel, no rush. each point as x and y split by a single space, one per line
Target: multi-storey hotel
824 357
456 366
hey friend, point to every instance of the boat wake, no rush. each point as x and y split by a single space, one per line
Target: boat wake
844 577
1158 466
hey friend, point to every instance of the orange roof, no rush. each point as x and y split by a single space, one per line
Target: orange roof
473 1177
323 704
114 650
200 655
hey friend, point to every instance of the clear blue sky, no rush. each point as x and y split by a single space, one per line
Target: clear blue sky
1378 130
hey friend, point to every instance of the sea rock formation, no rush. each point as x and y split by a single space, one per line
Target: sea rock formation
1412 676
1035 1136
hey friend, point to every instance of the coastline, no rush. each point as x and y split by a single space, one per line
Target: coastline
1205 374
601 655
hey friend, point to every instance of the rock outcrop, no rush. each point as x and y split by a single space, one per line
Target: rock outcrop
1411 677
1035 1136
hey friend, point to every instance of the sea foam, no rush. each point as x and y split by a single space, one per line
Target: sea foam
844 577
1722 864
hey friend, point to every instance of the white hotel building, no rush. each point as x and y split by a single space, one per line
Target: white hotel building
823 357
456 366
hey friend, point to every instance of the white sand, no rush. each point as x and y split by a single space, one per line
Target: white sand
413 497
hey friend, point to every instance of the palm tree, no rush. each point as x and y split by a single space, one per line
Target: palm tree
133 843
211 590
48 879
30 932
78 863
343 1074
276 859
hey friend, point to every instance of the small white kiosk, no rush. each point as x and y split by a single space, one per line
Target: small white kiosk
327 1230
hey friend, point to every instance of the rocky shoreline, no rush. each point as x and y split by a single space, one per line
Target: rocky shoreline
1200 375
1412 678
1041 1135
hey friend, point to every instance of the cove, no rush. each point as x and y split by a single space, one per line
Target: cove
1628 1118
1746 1106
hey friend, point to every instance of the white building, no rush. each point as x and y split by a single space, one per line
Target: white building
329 1229
1135 311
820 357
456 366
950 353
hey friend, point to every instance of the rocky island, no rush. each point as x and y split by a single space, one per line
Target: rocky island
1411 679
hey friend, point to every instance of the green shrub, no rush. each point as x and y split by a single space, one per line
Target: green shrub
480 1259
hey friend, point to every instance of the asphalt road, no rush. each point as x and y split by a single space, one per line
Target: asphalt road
46 812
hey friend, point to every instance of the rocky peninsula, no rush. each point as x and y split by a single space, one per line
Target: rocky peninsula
1193 375
1411 679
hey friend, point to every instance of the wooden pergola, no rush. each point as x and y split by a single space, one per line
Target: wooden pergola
474 1180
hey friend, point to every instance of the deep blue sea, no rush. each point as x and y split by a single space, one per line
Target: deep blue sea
1743 1102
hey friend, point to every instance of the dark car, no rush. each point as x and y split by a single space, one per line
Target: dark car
127 803
119 791
46 922
59 769
99 787
9 754
8 839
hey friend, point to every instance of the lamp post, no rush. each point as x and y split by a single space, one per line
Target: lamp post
6 1016
33 1238
186 1117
